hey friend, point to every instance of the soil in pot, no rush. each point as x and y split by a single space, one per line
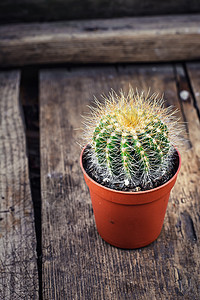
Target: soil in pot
97 175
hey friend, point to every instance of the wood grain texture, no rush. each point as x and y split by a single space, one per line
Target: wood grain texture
143 39
18 262
77 263
189 108
194 74
42 10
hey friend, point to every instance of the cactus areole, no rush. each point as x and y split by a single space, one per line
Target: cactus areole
131 138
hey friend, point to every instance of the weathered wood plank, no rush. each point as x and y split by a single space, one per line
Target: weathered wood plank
18 262
42 10
118 40
194 74
77 263
189 110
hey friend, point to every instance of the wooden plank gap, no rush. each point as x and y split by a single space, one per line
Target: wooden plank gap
29 98
189 110
193 74
41 11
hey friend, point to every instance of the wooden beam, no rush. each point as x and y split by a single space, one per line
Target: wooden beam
77 263
54 10
18 259
169 38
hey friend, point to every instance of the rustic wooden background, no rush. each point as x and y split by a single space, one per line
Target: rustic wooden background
54 10
76 263
50 68
18 258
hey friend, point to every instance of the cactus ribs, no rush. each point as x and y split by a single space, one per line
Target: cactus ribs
131 141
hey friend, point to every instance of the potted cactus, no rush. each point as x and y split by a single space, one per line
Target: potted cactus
130 165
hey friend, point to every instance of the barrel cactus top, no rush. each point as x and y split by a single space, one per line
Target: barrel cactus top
131 137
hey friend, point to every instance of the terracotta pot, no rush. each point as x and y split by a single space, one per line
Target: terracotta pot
129 219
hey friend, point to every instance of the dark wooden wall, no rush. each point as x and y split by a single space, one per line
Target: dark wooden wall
52 10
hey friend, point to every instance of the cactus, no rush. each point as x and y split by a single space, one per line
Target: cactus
131 137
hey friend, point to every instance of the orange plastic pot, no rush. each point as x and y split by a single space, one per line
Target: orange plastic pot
129 219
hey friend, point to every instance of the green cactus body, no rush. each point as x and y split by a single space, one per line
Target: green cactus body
113 152
131 137
127 154
101 135
130 150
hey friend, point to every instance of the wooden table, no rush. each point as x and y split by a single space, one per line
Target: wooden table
76 263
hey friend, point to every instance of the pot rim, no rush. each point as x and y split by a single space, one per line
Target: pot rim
130 193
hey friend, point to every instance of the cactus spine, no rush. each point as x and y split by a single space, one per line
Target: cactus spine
131 137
